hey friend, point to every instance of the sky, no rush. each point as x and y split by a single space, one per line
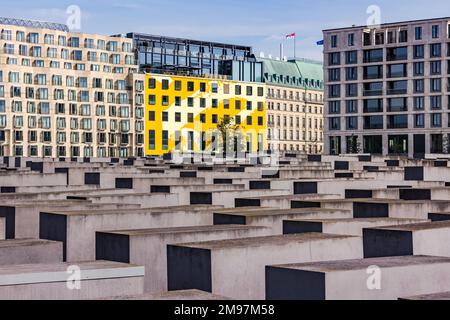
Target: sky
262 24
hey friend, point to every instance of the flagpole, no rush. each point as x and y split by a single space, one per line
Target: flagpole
295 47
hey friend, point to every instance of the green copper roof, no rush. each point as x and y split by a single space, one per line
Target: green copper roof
300 73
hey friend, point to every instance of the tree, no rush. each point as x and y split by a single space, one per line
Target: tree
227 129
445 144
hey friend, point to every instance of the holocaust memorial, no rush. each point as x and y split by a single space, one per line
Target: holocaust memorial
304 228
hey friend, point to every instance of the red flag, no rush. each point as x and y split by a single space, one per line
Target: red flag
289 36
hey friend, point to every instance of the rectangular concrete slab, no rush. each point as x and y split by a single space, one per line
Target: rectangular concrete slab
365 279
30 251
60 281
67 226
350 227
235 268
147 247
181 295
429 238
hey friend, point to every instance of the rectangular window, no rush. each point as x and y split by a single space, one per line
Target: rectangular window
165 140
151 139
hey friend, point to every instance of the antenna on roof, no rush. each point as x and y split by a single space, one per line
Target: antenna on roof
261 55
270 56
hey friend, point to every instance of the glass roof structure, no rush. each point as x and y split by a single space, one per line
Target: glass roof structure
34 24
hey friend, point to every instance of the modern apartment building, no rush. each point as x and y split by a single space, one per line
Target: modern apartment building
294 105
183 113
387 88
161 54
67 94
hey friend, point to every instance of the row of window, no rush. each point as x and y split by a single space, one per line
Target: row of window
190 118
74 109
271 106
190 140
393 105
191 87
318 123
75 123
75 151
65 54
392 54
393 122
392 71
306 136
293 81
203 103
388 36
73 138
74 42
392 88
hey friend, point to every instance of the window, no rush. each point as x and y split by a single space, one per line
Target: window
352 123
203 87
178 101
165 84
418 33
151 139
334 75
371 56
419 120
419 86
394 54
334 59
351 39
403 36
151 83
177 116
419 52
190 117
191 102
419 103
373 105
178 85
435 50
165 140
436 120
435 85
249 120
165 100
351 57
419 68
352 90
152 99
435 31
373 122
373 72
351 73
238 90
351 106
435 67
190 86
165 116
436 102
335 124
334 41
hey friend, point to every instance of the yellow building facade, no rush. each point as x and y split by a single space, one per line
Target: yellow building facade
183 113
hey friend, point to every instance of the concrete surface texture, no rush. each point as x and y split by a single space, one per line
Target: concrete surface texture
306 227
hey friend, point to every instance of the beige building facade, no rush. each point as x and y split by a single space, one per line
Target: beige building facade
294 105
67 94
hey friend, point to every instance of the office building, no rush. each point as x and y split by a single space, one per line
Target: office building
387 88
294 105
183 113
68 94
160 54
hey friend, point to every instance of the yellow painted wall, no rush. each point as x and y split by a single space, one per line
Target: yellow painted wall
157 93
